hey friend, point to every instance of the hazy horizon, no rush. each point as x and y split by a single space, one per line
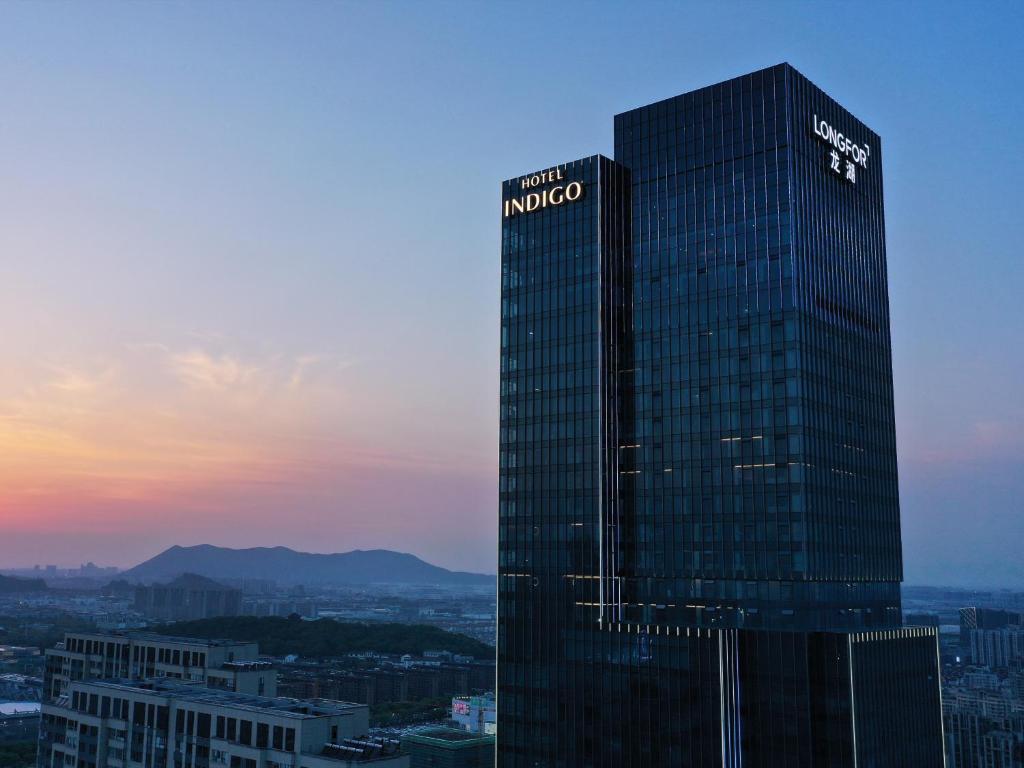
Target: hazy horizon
250 269
75 565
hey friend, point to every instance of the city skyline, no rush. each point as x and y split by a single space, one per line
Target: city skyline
247 280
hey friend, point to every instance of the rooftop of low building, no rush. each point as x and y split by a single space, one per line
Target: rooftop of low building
449 737
155 637
183 691
362 749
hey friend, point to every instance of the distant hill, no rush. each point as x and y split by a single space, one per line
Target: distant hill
326 637
10 585
286 566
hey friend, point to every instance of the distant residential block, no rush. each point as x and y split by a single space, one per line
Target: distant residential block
973 617
983 729
188 597
997 648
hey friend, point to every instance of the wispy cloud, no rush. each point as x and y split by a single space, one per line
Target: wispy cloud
199 369
300 368
157 420
68 380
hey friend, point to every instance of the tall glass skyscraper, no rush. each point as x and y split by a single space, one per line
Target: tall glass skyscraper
699 537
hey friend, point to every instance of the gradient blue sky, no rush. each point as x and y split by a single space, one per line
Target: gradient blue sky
249 256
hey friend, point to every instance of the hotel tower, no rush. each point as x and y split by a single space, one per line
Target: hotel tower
699 523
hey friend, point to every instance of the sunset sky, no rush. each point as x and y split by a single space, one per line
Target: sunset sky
249 258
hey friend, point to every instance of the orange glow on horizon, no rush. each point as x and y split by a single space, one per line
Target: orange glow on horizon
202 433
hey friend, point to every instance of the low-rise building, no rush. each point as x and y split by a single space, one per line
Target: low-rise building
19 721
9 652
448 748
476 714
396 679
160 722
17 687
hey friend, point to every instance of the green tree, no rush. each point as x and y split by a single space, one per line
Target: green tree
18 754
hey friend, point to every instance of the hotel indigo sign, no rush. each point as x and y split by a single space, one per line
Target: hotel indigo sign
546 197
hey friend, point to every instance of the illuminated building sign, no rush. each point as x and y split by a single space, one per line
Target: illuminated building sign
844 156
542 198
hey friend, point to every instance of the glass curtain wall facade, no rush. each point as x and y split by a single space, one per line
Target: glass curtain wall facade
562 287
731 595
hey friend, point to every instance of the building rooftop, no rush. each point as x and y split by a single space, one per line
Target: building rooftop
247 665
158 638
362 749
20 650
452 738
19 708
17 677
168 688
